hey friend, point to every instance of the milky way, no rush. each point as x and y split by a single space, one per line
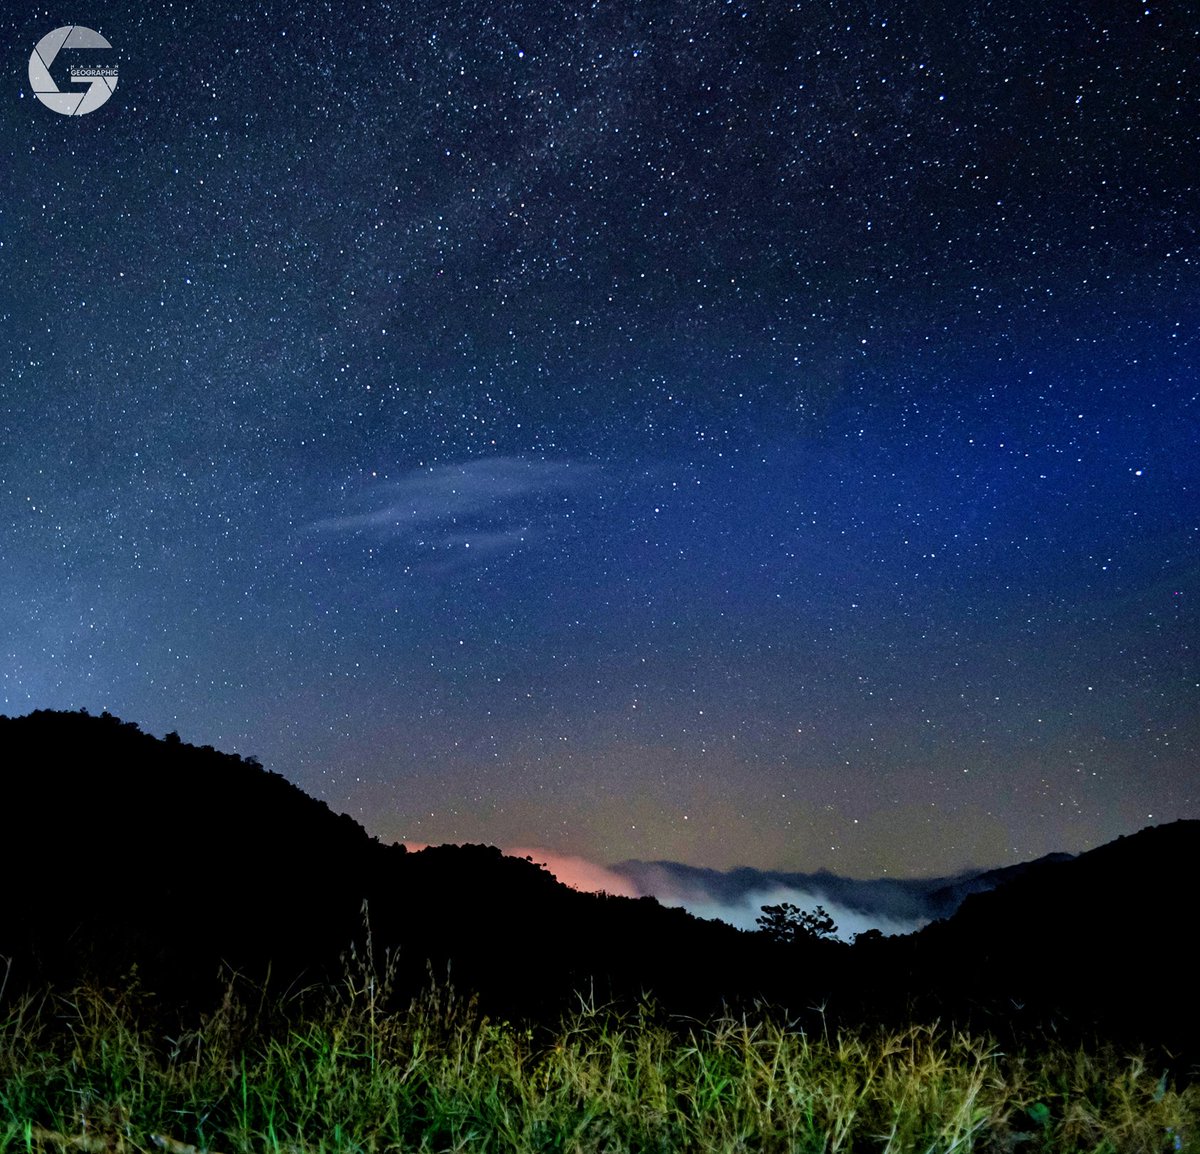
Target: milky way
738 434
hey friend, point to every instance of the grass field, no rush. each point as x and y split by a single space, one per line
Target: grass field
328 1070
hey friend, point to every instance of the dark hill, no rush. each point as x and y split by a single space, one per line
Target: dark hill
945 897
1093 943
121 848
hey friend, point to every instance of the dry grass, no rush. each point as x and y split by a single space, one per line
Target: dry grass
329 1071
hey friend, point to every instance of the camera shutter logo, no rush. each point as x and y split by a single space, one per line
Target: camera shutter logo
103 81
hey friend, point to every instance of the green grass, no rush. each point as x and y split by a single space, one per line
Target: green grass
328 1070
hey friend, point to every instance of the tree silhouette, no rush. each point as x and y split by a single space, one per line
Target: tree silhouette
788 923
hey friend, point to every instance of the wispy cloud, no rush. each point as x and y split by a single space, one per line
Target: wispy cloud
893 905
473 510
485 544
738 897
744 911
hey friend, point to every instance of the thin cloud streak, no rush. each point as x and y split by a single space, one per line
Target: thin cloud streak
447 516
443 495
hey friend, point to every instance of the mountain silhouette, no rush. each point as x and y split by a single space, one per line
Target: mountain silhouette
1098 940
123 850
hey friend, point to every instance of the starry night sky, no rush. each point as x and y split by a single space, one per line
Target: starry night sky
739 434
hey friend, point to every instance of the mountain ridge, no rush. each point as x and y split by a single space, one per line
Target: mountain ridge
185 862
